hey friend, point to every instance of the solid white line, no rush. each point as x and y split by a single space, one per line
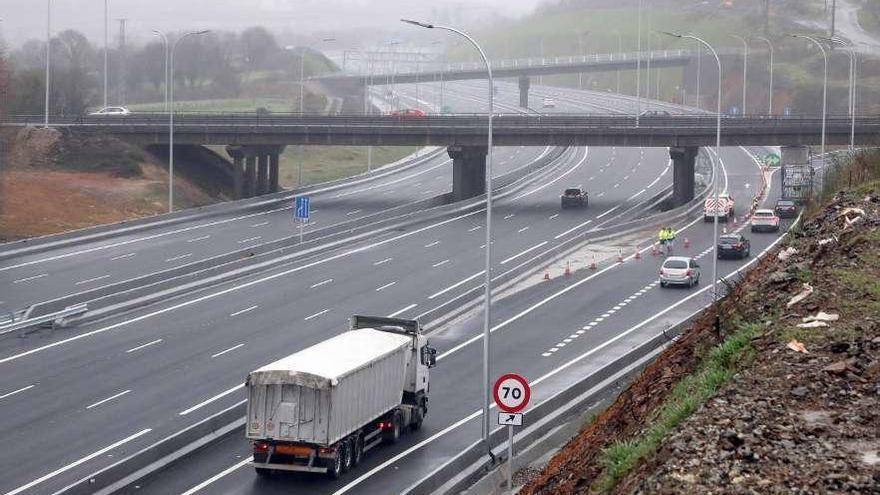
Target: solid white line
520 231
382 262
30 278
148 344
77 463
102 277
385 286
10 394
197 239
227 350
432 244
177 258
435 265
260 224
108 399
456 285
508 217
325 282
401 311
212 399
609 211
553 216
311 317
239 287
529 250
219 475
557 179
355 212
249 239
129 255
576 227
245 310
478 227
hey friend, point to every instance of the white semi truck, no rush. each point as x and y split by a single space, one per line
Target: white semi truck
321 409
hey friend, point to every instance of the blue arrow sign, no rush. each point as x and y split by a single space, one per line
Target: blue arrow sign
301 207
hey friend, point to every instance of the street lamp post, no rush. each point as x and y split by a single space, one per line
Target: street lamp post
852 88
171 115
824 86
488 267
48 58
619 51
639 63
162 35
715 177
770 45
107 47
745 68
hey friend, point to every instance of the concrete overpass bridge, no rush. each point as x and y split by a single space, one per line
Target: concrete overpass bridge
255 142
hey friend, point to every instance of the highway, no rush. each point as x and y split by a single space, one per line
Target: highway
122 384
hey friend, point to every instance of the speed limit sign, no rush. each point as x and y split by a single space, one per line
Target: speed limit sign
511 392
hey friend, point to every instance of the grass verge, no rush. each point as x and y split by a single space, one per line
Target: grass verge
718 366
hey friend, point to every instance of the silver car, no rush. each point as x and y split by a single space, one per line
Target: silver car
680 270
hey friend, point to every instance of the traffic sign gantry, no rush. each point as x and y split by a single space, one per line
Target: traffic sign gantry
511 392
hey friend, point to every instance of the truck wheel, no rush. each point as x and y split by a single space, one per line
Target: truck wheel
334 470
358 452
347 454
418 418
393 435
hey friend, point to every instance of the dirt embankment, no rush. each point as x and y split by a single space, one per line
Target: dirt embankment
51 183
786 421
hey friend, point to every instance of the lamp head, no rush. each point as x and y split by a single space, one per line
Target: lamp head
417 23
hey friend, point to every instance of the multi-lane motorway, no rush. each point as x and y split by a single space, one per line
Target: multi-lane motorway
81 398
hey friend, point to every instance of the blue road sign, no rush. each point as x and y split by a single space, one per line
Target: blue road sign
301 208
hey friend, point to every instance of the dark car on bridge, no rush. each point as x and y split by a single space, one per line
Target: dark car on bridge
574 197
786 208
733 246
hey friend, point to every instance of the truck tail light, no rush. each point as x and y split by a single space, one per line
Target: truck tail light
326 450
261 447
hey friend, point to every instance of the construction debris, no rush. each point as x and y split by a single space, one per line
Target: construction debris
797 346
786 253
822 316
807 290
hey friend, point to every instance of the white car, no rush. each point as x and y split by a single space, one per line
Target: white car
106 111
680 270
549 102
765 220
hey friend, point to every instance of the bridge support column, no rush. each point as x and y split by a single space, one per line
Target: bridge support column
683 161
468 171
250 176
237 176
273 171
524 84
262 173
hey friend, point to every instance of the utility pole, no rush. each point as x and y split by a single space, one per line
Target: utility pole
766 17
122 61
833 16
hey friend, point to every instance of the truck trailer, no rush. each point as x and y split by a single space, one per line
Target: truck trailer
321 409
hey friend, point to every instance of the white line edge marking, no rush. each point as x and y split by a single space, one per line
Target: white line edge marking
319 313
227 350
435 265
386 286
108 399
77 463
456 285
382 262
177 258
579 226
324 282
148 344
102 277
401 311
249 239
212 399
28 279
129 255
529 250
10 394
245 310
197 239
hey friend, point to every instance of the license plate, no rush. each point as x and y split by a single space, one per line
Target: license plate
297 450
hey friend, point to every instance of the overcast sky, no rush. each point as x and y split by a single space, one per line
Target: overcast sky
26 19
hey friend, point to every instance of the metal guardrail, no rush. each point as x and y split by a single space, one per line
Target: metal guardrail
22 320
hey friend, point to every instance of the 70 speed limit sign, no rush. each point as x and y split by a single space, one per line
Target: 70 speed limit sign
511 392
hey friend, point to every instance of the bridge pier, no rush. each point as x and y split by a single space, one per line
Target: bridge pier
468 171
255 170
683 161
250 176
524 84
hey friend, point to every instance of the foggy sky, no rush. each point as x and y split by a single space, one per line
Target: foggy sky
26 19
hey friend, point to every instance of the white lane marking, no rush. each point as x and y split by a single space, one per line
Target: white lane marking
197 239
319 313
177 258
78 462
529 250
212 399
401 311
600 194
435 265
634 196
354 212
148 344
10 394
432 244
227 350
89 280
260 224
245 310
385 286
547 354
472 229
616 185
576 227
456 285
108 399
508 217
568 340
28 279
122 257
553 216
239 287
382 262
607 212
324 282
520 231
625 177
217 476
249 239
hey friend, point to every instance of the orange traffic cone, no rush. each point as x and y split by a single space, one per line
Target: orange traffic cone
687 243
567 268
638 254
654 249
619 256
547 274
